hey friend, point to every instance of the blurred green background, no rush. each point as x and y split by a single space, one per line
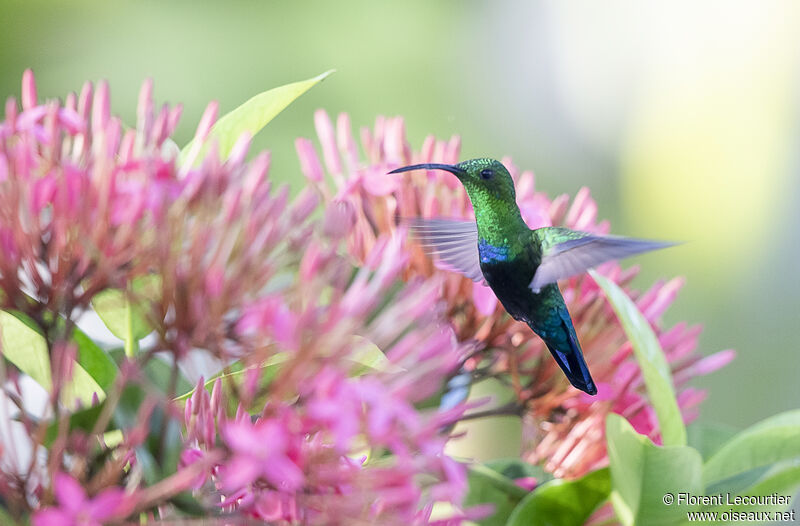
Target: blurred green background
682 118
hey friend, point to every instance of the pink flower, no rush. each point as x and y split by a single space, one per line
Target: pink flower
76 509
527 483
260 450
271 313
189 457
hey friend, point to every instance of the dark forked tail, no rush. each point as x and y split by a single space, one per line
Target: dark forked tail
570 358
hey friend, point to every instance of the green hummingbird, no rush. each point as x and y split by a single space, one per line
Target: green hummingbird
521 265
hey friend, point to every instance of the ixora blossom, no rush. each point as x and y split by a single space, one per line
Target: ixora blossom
564 428
339 438
319 418
75 509
72 209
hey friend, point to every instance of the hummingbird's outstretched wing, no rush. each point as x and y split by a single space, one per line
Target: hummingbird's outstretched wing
568 252
454 243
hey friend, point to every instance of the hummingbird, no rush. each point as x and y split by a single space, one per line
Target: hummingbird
520 265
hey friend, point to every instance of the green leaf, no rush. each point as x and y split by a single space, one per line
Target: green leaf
150 468
515 468
653 363
235 373
83 419
169 447
782 482
368 357
154 471
563 502
81 389
113 438
708 437
125 320
738 482
24 345
161 449
772 440
159 372
252 116
487 486
642 473
94 360
187 504
6 518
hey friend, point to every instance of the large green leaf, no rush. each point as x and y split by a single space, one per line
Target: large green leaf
95 360
253 115
779 483
563 502
708 437
642 474
738 482
652 362
81 389
126 320
24 345
772 440
487 486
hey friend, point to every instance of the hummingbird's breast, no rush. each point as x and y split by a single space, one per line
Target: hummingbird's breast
509 278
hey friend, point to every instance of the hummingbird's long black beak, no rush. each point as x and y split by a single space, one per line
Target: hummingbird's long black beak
455 170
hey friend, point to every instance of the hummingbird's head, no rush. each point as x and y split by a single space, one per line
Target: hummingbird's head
484 179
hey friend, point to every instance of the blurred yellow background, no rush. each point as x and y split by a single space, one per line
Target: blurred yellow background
682 117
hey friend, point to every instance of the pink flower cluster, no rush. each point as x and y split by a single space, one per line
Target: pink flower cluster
339 436
349 451
78 197
335 354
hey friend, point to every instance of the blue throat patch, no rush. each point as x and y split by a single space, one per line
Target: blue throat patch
490 253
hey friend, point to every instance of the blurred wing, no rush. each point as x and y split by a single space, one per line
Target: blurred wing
577 255
453 242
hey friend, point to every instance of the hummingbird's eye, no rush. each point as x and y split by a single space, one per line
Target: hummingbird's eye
487 173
